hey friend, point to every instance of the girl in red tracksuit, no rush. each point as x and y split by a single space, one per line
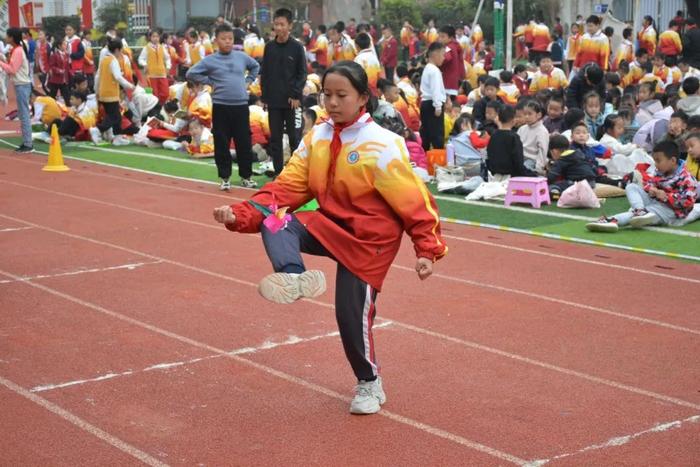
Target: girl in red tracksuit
58 78
368 195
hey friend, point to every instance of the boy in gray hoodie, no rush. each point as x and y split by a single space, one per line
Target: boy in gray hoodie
691 103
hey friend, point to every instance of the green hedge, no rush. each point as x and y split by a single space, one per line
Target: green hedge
56 25
201 23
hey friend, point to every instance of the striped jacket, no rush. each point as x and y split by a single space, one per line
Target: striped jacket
368 196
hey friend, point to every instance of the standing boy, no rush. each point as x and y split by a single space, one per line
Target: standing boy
433 98
283 76
225 71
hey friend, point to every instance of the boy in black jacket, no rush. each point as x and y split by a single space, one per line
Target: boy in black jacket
504 153
491 86
282 80
566 167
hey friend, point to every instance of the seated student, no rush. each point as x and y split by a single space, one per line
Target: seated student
200 145
181 93
395 96
143 105
593 108
200 106
508 91
259 127
548 77
566 167
580 141
692 162
504 153
79 120
491 86
609 135
687 70
666 198
554 121
690 104
521 80
677 127
468 144
46 110
571 118
631 126
475 94
492 109
81 84
172 128
648 103
534 137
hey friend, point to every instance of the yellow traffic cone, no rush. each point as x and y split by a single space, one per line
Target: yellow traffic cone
55 163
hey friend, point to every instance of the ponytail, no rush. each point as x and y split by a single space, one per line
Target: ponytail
608 124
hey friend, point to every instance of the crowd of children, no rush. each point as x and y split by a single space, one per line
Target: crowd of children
568 111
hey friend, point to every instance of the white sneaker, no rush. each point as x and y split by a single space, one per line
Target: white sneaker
604 224
121 140
249 183
95 136
109 135
369 396
225 185
283 287
641 220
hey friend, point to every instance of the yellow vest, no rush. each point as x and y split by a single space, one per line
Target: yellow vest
109 87
51 111
194 54
155 62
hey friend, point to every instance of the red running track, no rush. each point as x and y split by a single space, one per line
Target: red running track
132 333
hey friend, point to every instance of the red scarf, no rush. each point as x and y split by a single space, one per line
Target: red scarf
336 144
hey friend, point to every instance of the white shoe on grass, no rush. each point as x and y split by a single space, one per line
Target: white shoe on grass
109 135
284 288
369 396
95 136
604 224
643 219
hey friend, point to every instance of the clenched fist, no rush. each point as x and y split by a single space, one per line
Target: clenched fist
424 268
224 215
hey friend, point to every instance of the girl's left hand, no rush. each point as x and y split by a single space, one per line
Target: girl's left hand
424 268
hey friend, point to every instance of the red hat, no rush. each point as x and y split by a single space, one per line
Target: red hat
461 99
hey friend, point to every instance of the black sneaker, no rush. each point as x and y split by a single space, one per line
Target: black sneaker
24 149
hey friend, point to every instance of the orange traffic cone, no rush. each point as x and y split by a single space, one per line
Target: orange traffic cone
55 163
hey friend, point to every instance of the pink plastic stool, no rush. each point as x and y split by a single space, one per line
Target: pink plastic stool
532 190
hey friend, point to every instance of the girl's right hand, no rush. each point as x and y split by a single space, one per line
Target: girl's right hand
224 215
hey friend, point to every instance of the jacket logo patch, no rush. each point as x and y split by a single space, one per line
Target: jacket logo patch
353 157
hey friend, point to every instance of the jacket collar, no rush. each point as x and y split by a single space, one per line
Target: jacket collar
361 121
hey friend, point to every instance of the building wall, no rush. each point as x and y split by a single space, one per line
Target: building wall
661 10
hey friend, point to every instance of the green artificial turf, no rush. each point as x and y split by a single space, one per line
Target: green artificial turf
179 164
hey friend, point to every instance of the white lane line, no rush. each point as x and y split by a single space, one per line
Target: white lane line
577 260
620 440
549 366
560 301
561 215
131 169
266 345
277 373
83 425
470 282
145 154
453 237
398 323
14 229
118 206
128 266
